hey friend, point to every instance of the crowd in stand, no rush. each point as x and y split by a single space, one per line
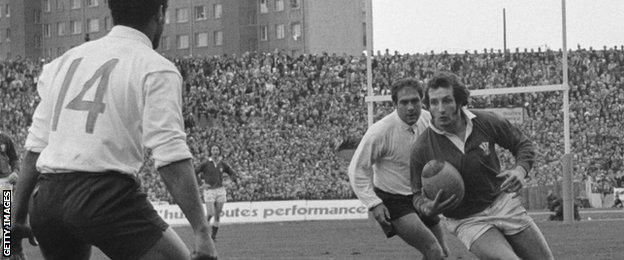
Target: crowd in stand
279 118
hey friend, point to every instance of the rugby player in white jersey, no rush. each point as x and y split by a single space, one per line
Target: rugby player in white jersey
101 103
380 175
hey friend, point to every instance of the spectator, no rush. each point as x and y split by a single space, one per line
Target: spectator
276 116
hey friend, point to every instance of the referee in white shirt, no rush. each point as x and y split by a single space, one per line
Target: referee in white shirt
101 103
380 175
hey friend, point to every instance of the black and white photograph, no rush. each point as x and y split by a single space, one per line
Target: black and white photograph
312 129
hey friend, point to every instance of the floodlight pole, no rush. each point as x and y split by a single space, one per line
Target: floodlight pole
369 56
568 197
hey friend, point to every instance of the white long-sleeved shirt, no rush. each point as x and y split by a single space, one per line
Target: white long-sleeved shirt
105 100
382 159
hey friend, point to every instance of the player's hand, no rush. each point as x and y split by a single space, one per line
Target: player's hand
19 232
514 179
13 178
381 214
437 206
204 245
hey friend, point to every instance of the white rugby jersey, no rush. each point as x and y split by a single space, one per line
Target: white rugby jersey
105 100
382 159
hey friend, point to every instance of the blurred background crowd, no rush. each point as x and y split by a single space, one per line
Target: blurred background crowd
279 118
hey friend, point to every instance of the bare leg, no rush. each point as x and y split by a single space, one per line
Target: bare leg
169 246
217 215
531 244
414 232
493 245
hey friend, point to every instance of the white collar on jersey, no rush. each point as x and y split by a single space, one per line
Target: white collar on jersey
130 33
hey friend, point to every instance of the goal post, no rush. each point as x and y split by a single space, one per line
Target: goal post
566 160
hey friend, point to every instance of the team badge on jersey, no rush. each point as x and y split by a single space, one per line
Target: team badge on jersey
485 147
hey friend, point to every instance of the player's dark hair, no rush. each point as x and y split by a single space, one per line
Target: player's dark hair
448 80
400 84
134 13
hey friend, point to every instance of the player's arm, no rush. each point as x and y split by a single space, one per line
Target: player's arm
233 174
36 141
511 138
361 169
179 180
428 210
24 187
361 176
163 133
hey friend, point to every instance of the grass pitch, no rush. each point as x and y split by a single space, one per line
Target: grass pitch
602 237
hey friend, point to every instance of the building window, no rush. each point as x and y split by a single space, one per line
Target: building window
201 39
218 38
264 33
7 8
75 4
182 15
8 34
279 5
92 3
108 24
94 25
60 28
60 4
37 39
46 6
295 28
200 13
164 42
76 27
167 15
263 7
250 18
59 51
37 15
218 11
295 4
46 30
1 10
279 31
183 41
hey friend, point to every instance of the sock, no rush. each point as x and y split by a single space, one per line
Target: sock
215 228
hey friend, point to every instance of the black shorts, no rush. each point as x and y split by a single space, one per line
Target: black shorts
400 205
71 211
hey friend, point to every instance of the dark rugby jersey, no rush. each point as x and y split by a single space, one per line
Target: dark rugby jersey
211 173
479 164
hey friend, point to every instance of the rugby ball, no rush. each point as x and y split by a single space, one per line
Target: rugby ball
441 175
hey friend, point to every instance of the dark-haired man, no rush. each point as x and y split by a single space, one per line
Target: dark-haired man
101 103
380 177
490 220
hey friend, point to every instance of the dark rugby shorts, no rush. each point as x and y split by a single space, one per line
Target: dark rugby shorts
398 206
71 211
